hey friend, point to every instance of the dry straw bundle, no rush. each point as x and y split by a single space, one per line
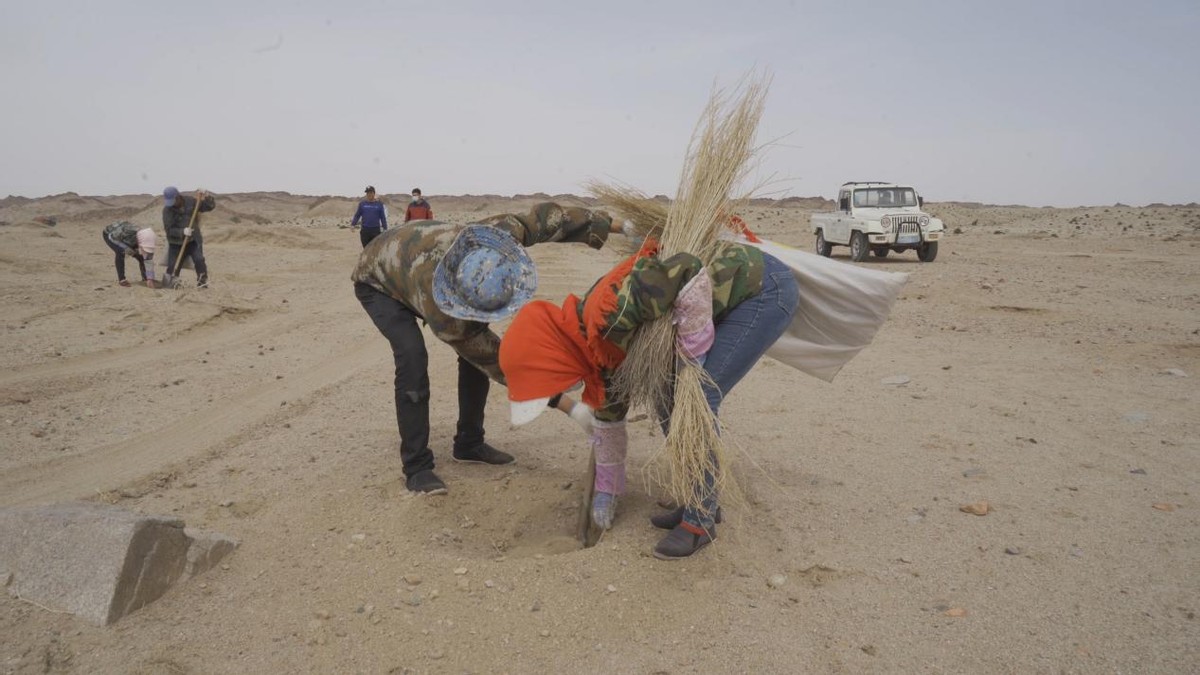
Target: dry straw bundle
652 377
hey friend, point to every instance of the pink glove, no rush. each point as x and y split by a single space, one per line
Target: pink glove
692 316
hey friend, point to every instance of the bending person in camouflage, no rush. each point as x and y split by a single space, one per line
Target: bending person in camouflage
486 277
127 239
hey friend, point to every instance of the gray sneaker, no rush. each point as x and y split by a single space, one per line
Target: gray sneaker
426 482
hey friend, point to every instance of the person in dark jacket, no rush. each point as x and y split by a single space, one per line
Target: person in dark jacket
418 209
372 213
177 221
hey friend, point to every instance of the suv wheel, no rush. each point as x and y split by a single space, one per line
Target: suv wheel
858 246
927 252
823 247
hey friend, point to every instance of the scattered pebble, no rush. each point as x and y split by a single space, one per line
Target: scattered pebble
1164 506
536 606
956 612
226 504
1174 372
611 589
1012 550
321 614
544 633
489 583
896 380
980 508
776 580
973 471
1140 472
1076 552
359 537
414 600
460 571
412 579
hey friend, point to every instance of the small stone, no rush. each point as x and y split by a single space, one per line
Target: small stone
460 571
980 508
359 537
1076 552
776 580
489 583
1173 372
439 654
321 614
536 606
610 588
226 504
414 600
412 579
1012 550
914 519
1164 506
1140 472
869 650
956 612
972 472
544 633
896 380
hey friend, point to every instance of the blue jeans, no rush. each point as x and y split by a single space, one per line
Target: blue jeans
742 337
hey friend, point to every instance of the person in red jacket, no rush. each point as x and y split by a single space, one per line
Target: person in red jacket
418 209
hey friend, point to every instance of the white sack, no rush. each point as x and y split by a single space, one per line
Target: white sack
841 308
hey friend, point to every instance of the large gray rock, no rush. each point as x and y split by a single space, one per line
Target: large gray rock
96 561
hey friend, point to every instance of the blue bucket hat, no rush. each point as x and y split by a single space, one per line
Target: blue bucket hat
170 195
485 276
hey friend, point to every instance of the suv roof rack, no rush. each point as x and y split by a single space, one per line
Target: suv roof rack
866 182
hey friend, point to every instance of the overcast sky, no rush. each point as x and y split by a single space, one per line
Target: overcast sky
1039 103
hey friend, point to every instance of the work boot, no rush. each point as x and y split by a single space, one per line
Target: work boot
682 542
124 282
483 454
425 482
202 281
671 519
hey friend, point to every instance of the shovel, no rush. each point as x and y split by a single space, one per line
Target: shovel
585 530
172 278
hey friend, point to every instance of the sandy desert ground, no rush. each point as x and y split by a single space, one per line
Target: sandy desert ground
1053 367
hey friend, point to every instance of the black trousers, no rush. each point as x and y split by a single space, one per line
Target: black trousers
193 250
398 323
365 235
120 259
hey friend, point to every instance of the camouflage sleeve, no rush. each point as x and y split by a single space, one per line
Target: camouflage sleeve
549 222
482 350
650 289
614 409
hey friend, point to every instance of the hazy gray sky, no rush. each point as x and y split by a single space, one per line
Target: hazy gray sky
1040 103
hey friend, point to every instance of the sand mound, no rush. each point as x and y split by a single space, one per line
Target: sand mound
268 236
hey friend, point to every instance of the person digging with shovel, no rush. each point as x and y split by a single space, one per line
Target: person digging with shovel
181 220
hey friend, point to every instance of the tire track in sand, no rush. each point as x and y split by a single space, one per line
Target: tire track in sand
109 466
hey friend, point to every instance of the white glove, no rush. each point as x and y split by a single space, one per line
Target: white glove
187 231
629 229
582 414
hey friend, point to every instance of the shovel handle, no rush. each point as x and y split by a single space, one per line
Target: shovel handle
186 239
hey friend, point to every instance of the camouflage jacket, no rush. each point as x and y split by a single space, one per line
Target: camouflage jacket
400 263
650 289
176 219
123 232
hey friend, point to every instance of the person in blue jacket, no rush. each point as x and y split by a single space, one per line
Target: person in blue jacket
373 215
